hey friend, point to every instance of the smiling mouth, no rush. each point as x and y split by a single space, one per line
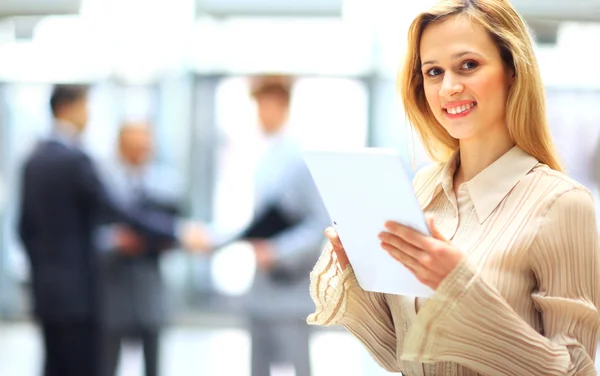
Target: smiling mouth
458 110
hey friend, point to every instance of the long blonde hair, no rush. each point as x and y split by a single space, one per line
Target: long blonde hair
526 107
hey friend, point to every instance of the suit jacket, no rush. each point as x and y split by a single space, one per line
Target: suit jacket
133 293
61 201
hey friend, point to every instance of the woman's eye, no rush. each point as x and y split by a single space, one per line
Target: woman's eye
469 65
434 72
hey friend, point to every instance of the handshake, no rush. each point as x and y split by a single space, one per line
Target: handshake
192 236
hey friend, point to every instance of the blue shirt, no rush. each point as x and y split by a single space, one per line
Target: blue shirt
282 178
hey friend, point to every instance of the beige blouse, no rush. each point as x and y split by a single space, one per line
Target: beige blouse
524 301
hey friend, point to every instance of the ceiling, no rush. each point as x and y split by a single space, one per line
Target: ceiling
559 10
543 16
318 8
11 8
556 10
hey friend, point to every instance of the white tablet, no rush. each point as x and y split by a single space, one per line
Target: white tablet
362 189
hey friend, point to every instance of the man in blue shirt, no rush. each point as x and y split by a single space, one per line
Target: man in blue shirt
287 235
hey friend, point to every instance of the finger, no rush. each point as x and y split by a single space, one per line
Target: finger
423 275
410 235
333 237
428 261
401 245
434 231
409 262
432 260
417 260
401 257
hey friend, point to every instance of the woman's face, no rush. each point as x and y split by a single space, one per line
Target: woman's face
465 80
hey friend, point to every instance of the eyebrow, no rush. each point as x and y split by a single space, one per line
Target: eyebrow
455 56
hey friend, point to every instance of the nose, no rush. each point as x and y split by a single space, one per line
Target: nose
451 85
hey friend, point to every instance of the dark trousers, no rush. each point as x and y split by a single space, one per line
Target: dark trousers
279 341
111 345
71 349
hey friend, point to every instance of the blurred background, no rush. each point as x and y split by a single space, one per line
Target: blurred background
182 66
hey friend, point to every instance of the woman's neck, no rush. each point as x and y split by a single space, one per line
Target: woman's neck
476 156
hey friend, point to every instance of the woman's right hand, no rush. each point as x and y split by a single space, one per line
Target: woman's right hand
338 248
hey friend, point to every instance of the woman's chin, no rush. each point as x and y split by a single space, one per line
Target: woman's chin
460 131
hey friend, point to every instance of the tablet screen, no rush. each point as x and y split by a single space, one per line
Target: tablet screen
362 189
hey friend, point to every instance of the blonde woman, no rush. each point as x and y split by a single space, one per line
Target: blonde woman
514 258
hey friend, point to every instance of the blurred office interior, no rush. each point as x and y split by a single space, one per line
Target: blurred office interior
182 65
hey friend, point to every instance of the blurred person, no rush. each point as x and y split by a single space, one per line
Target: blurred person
133 294
513 255
62 199
595 166
286 233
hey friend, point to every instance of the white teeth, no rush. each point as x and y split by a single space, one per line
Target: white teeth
460 109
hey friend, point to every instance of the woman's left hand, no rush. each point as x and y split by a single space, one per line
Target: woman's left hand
429 258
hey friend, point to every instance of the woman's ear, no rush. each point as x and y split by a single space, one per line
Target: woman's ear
511 76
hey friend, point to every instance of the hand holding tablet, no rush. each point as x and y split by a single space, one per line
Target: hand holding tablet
362 190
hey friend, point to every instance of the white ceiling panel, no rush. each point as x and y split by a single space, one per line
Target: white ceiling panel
11 8
271 7
559 10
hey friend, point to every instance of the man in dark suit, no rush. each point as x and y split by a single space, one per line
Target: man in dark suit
61 201
133 294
